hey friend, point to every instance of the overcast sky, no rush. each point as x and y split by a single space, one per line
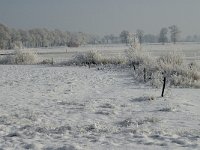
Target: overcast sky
102 16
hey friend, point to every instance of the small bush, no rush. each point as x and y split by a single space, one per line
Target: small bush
189 78
172 59
177 72
20 57
95 58
87 58
137 57
73 44
27 57
171 65
7 60
47 61
117 60
194 66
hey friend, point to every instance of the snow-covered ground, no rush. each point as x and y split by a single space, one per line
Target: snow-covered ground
51 107
191 51
67 108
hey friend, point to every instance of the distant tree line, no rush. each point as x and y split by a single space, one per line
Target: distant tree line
192 38
42 37
163 36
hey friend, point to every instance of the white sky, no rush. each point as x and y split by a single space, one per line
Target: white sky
102 16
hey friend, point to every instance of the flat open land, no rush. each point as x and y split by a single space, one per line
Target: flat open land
70 107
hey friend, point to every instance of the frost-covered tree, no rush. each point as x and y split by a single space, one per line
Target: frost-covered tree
125 35
106 39
4 37
94 39
58 35
15 41
15 35
36 37
82 38
163 36
175 33
109 38
74 40
150 38
140 35
24 37
41 37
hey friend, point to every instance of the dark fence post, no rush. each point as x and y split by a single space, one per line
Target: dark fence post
144 74
134 66
164 83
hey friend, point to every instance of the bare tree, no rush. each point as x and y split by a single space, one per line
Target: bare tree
74 40
175 33
107 38
163 36
5 38
112 37
125 35
24 37
41 37
140 35
15 41
82 38
150 38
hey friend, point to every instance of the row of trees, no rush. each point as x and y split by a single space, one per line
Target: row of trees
42 37
193 38
166 35
174 34
126 36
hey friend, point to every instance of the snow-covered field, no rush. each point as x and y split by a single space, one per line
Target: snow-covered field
67 108
191 51
71 107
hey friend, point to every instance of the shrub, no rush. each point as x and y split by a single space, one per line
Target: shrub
20 57
171 65
177 72
188 78
147 68
117 60
7 60
87 58
95 58
47 61
27 57
137 57
73 44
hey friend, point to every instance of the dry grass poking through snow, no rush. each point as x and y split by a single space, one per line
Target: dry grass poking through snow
146 68
172 65
95 58
21 57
